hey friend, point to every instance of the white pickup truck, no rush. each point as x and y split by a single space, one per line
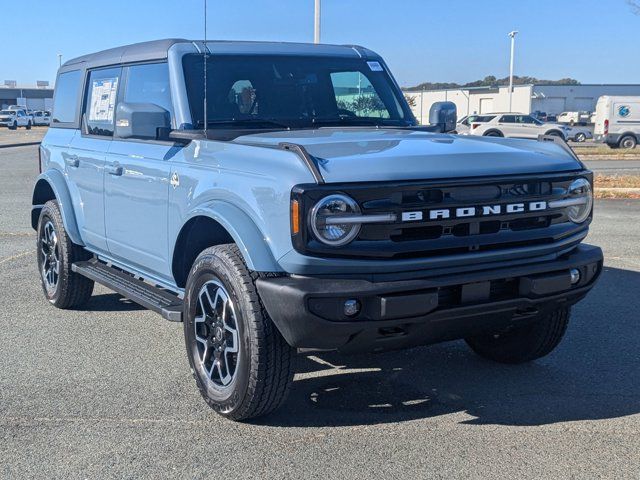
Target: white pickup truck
14 118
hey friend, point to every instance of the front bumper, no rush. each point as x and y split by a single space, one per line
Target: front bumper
308 311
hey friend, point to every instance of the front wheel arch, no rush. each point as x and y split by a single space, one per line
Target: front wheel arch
493 133
225 223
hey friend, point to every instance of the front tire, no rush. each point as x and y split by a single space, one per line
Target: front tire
241 363
525 343
14 126
29 126
581 137
56 253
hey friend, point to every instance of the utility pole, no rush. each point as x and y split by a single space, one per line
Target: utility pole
316 23
513 47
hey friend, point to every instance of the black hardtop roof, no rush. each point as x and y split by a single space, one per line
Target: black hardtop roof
158 50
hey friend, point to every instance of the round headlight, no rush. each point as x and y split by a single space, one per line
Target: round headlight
324 220
580 190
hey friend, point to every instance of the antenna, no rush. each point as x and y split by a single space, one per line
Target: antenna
206 49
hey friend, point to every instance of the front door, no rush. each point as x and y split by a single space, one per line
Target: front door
136 185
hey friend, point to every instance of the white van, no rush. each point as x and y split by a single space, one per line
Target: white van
617 121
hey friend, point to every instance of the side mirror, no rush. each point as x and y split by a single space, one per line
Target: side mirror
443 116
141 120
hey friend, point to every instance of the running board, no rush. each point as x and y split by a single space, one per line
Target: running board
153 298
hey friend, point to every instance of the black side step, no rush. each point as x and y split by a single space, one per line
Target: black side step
153 298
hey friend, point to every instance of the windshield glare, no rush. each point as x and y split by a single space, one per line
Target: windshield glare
292 91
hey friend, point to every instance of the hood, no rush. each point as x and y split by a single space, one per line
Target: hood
369 154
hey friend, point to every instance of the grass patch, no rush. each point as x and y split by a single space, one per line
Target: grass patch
617 181
617 186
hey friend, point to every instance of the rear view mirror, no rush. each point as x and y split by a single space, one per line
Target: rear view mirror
141 120
443 117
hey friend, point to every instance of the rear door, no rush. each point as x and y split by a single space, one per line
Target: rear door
136 185
506 124
86 156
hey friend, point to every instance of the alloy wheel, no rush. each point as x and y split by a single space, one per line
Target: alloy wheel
50 254
216 334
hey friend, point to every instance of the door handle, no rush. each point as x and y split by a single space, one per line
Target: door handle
116 170
72 161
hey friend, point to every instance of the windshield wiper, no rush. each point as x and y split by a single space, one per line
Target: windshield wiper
245 122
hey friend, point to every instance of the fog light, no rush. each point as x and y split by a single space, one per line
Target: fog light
351 308
575 275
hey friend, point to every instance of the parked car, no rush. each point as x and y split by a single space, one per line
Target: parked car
575 118
542 116
13 118
517 125
292 214
579 134
618 121
463 126
42 118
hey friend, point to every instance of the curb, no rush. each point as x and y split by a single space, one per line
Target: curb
27 144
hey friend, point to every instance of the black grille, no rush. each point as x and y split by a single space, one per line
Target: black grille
412 239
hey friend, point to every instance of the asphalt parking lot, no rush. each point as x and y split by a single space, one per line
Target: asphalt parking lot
106 391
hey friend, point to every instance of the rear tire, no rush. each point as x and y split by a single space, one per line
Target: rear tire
525 343
580 137
56 253
242 365
628 142
493 133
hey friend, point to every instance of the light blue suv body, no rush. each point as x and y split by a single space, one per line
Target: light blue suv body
144 187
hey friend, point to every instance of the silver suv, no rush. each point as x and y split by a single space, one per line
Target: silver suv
518 125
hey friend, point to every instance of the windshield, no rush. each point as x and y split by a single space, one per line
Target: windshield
292 92
7 112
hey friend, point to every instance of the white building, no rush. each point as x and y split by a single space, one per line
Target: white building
552 99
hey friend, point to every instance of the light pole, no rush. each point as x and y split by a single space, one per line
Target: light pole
59 60
513 47
316 23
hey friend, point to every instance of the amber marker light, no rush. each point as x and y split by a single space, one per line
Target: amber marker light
295 217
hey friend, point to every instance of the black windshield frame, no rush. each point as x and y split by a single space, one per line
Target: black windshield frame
293 91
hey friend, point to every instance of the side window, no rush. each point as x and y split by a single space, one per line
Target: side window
100 100
65 100
356 96
528 120
508 119
149 83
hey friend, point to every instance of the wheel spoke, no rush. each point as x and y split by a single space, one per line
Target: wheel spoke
216 329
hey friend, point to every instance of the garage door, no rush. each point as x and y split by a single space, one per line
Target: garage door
486 105
587 104
554 105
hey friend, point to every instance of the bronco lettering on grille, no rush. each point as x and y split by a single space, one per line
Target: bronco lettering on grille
475 211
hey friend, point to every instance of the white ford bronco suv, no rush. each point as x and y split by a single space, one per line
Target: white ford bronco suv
276 196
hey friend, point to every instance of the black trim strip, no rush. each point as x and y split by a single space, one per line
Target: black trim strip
306 157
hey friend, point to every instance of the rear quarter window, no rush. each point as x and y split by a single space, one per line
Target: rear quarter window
65 99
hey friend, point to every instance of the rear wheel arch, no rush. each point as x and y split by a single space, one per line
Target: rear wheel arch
51 185
493 132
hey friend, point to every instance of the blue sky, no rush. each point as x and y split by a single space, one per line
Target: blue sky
594 41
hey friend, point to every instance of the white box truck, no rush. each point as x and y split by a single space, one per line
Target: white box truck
617 121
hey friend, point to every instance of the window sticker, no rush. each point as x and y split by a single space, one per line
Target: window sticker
375 66
103 100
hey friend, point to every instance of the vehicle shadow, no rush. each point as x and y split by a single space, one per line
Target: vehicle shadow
594 374
111 302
